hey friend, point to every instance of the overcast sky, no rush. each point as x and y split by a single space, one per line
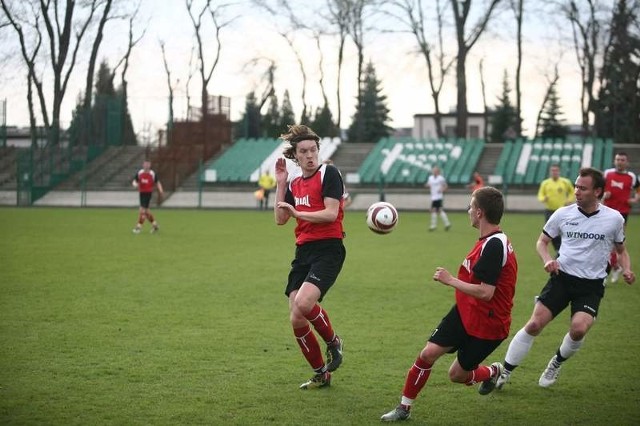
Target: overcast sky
253 34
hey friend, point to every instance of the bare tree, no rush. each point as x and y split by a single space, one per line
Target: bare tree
518 10
339 17
485 107
552 83
191 73
29 58
288 34
94 53
587 39
60 22
169 83
215 12
413 18
356 28
124 61
317 36
461 10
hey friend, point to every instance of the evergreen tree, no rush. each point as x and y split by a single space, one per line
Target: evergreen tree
503 117
103 102
617 110
271 120
107 122
249 124
128 133
551 119
323 124
370 120
287 116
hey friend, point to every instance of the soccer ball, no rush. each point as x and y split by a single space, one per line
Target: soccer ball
382 217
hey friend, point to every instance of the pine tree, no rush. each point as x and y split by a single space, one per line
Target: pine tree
107 122
287 116
370 120
323 124
551 118
617 110
271 120
503 117
249 124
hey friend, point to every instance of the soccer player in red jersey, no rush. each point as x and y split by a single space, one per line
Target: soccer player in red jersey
145 180
481 317
620 192
316 200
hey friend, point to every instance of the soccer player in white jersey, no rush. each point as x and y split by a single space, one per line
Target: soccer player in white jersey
437 184
590 230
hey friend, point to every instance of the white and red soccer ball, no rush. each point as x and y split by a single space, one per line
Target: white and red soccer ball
382 217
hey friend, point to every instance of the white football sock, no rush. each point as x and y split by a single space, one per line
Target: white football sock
444 217
434 219
519 347
569 347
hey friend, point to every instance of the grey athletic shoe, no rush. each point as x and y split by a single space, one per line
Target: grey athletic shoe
397 414
550 374
334 354
489 385
318 381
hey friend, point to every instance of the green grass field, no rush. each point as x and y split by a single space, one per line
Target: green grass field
190 326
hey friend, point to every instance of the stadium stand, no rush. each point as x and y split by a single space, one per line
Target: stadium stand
526 163
239 161
8 168
247 158
408 161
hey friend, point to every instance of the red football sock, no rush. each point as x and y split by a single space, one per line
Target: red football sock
310 347
480 374
150 218
141 217
320 320
416 378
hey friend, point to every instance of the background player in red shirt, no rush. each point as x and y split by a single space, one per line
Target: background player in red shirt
481 317
145 180
316 200
620 192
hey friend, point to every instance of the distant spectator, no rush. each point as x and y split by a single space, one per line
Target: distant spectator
555 192
266 182
144 180
477 182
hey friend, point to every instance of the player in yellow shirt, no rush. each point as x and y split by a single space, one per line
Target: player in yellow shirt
555 192
266 182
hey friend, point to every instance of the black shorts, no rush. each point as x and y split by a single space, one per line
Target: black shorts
317 262
562 289
436 204
145 199
471 350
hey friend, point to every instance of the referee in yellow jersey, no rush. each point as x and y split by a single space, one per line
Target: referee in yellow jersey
555 192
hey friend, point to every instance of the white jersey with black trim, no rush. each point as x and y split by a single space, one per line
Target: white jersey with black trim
587 239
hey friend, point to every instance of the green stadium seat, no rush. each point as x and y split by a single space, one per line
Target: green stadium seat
512 163
505 153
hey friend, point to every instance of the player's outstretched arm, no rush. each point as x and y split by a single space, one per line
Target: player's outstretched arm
625 261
